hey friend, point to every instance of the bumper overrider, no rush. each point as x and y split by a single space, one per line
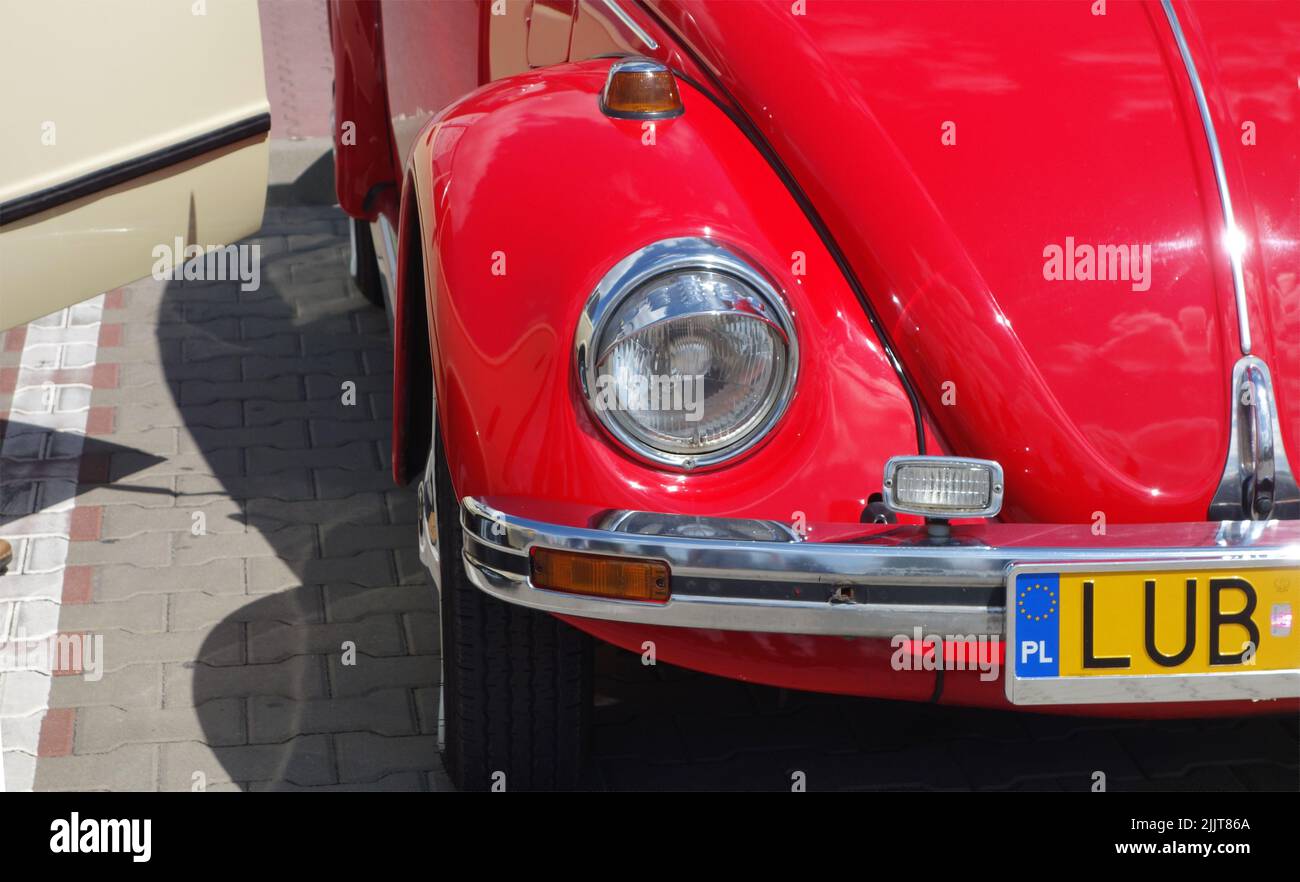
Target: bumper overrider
856 580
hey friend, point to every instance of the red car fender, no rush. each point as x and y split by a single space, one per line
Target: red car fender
527 194
363 149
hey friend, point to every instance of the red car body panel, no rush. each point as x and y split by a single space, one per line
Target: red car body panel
1252 53
1066 125
364 161
867 668
1095 397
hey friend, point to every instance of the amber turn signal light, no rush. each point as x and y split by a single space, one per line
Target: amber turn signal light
614 578
640 89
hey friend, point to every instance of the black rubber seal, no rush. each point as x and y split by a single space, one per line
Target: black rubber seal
119 173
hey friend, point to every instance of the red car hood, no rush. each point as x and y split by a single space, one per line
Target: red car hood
968 157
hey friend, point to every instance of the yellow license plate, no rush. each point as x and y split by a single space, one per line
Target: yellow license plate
1149 621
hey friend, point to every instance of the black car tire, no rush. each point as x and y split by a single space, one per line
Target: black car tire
517 683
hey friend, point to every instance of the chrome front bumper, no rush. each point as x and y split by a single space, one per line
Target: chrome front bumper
843 580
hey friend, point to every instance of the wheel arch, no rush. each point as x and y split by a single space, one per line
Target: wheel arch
527 172
413 358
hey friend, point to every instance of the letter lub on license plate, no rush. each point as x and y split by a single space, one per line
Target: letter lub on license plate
1090 633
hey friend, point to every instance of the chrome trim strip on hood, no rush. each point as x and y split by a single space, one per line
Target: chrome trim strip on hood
1232 234
631 24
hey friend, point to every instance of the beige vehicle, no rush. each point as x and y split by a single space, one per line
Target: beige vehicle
127 125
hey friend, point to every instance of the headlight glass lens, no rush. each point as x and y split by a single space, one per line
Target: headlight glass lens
692 362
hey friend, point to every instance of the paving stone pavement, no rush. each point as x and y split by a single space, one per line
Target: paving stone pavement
239 534
235 525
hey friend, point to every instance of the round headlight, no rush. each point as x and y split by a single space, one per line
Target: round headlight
686 354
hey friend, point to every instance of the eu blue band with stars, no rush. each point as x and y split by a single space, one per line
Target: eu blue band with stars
1037 603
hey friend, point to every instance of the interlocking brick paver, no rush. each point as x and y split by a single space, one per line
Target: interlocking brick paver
133 767
400 782
359 456
348 602
217 415
262 413
136 686
204 489
123 581
135 468
370 568
145 550
102 729
410 571
421 631
290 435
344 365
291 543
328 387
302 605
357 538
158 493
220 646
127 521
364 756
197 392
189 684
332 433
341 483
211 369
363 508
142 614
306 760
201 351
382 712
373 636
370 674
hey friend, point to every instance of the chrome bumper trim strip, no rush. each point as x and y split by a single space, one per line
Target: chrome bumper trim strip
858 588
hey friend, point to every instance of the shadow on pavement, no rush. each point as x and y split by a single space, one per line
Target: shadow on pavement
326 673
38 449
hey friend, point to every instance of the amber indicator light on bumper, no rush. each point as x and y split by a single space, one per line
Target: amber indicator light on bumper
615 578
640 89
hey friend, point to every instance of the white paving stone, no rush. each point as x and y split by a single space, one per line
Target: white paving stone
36 620
33 399
40 358
47 425
73 398
30 586
19 771
57 494
50 523
78 355
22 733
46 554
24 693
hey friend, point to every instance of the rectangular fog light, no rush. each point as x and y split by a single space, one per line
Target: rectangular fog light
943 486
613 578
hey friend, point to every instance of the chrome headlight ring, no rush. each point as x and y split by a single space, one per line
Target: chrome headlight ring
640 271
